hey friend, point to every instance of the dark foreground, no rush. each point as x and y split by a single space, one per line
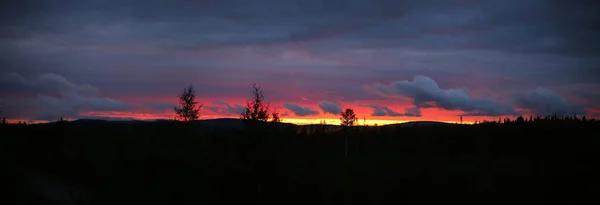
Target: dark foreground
98 162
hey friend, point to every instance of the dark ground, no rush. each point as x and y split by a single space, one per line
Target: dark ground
103 162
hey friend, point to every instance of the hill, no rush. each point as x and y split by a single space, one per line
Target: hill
165 162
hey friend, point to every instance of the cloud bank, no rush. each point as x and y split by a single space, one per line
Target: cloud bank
300 111
424 92
380 110
58 97
330 107
222 107
543 102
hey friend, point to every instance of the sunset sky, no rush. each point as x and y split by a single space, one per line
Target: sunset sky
390 60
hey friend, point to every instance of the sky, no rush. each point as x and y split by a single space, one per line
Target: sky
389 60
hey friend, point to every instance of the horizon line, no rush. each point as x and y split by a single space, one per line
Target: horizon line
295 121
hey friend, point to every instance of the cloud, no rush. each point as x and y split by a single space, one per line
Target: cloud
226 108
13 78
544 102
330 107
59 83
58 97
300 111
160 105
105 118
147 48
54 108
424 92
379 110
305 99
412 112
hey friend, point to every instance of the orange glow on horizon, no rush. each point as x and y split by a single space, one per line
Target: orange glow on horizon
329 118
362 113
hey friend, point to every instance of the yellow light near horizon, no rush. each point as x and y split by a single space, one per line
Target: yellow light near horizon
298 121
336 121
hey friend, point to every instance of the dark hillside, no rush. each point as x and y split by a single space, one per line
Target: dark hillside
139 162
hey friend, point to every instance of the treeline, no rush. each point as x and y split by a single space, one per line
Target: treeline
549 118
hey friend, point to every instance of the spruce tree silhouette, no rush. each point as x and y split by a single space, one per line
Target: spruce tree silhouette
348 118
520 119
256 114
256 109
189 109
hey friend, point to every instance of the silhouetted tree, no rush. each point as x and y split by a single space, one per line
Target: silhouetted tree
255 113
189 109
520 119
275 116
3 118
322 122
257 110
348 118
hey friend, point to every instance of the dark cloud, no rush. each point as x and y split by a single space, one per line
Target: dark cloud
300 111
70 106
330 107
412 112
58 97
424 92
543 102
504 46
225 108
14 78
160 105
105 118
380 110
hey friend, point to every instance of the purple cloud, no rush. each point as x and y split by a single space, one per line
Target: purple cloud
330 107
300 111
544 102
424 92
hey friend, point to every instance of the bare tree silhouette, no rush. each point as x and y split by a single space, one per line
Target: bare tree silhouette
189 109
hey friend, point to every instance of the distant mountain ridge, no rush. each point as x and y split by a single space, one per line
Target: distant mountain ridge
238 123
